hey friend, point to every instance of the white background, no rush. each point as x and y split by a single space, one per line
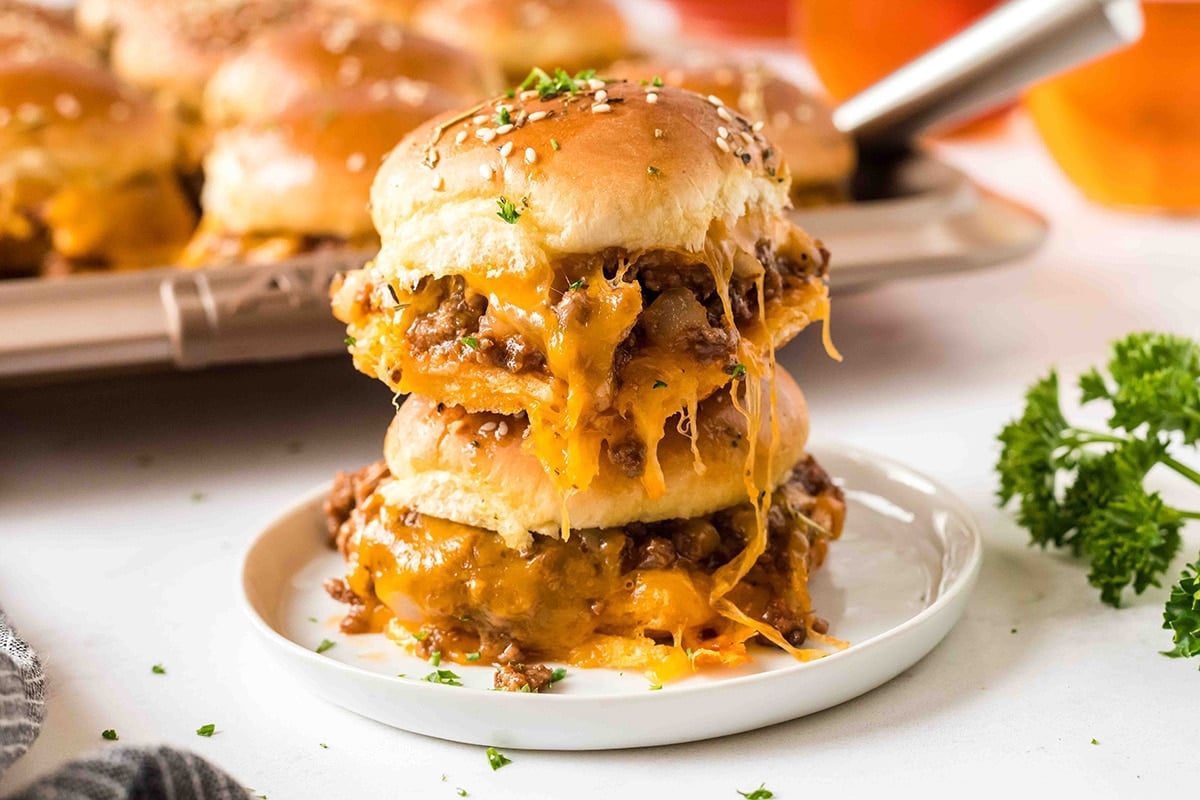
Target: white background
109 564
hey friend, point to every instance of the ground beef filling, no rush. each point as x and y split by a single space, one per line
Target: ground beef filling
460 322
807 510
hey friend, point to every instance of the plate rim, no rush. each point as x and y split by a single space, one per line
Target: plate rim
963 583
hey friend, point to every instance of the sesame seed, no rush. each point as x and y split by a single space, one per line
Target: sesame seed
724 145
500 107
486 134
68 106
652 98
462 137
601 96
501 429
487 427
530 155
601 108
716 101
437 183
356 162
379 90
722 131
433 157
758 126
724 114
503 129
392 38
486 172
349 71
538 115
658 133
529 94
479 119
506 149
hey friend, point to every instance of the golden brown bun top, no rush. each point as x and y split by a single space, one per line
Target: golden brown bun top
60 118
313 57
173 46
800 123
308 169
633 169
29 32
386 10
475 470
521 34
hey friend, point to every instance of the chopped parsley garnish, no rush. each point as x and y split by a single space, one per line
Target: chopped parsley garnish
158 669
497 759
655 687
660 385
473 656
652 170
420 636
657 81
312 619
1095 742
510 93
324 746
206 730
737 370
436 658
508 212
558 674
550 86
470 342
350 340
401 674
461 792
444 677
1084 489
575 285
554 144
109 735
325 645
761 793
503 117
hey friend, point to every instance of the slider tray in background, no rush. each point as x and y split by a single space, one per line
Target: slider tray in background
909 218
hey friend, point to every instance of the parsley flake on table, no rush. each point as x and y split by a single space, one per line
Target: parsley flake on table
158 669
109 735
497 759
325 645
206 730
1084 489
761 793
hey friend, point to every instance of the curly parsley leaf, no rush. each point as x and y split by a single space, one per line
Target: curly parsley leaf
1085 490
1182 614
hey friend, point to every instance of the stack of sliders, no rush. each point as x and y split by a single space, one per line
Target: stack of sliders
581 286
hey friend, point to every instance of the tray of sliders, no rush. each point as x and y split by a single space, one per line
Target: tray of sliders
180 183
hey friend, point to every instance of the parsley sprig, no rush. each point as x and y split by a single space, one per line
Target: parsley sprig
1084 489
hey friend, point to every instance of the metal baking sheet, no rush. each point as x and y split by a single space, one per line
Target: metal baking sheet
907 218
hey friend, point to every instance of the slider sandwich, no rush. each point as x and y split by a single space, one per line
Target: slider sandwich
595 256
86 172
820 157
582 286
572 34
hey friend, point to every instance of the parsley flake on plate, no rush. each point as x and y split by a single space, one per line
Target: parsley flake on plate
206 730
444 677
761 793
325 645
497 759
109 735
158 669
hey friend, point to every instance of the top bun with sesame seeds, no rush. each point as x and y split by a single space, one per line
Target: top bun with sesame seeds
820 158
29 32
300 178
314 57
595 254
572 34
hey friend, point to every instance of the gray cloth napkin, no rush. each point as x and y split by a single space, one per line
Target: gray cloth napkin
118 773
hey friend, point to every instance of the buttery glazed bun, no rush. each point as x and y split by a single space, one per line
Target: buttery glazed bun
801 125
61 119
572 34
314 57
307 170
663 170
475 470
29 32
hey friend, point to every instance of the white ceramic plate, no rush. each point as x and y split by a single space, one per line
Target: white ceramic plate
893 586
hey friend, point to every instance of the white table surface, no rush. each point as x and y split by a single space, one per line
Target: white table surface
109 564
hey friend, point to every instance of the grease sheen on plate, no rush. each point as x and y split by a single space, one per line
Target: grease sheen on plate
893 586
